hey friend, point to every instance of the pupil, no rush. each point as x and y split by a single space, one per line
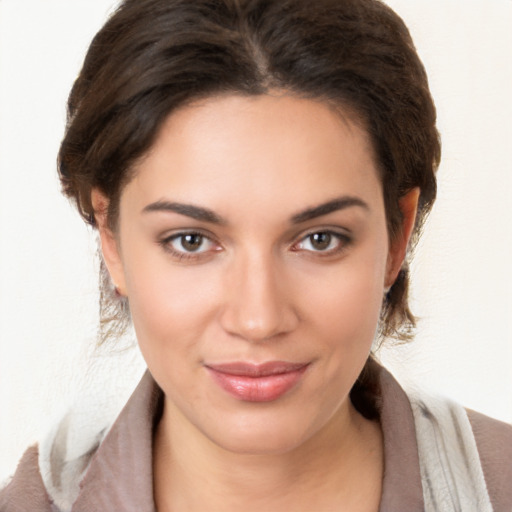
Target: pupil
191 242
321 241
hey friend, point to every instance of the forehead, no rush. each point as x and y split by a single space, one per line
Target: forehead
269 150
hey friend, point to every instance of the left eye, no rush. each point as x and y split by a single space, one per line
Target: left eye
322 241
190 243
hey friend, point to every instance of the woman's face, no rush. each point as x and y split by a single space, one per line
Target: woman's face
252 246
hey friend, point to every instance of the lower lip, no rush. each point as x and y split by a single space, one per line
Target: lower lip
258 389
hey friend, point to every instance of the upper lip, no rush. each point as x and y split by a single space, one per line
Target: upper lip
245 369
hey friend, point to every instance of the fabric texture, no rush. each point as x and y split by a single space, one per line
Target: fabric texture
451 471
494 442
432 452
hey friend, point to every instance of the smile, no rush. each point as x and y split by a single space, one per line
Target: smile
257 383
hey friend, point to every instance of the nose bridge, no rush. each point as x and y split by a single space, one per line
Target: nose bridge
258 305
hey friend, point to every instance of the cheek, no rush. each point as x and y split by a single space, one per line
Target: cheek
343 323
169 304
347 300
348 320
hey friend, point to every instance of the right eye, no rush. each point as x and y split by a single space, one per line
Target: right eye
188 245
191 242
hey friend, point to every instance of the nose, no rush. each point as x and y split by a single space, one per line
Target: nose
259 304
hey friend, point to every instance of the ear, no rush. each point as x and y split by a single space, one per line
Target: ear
398 248
109 242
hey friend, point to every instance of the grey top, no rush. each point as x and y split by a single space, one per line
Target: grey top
119 476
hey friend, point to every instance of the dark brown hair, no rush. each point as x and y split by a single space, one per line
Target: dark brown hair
153 56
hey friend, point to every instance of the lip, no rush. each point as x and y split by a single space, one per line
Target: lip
257 382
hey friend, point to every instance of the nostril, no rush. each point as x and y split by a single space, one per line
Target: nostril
259 325
257 304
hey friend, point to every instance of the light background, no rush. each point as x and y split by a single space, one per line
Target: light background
462 272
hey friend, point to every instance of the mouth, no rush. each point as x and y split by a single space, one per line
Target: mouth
257 382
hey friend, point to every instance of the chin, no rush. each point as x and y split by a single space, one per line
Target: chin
263 435
267 443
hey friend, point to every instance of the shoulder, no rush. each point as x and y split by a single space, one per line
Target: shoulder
494 442
464 457
26 490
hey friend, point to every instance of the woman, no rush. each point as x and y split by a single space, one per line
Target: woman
257 171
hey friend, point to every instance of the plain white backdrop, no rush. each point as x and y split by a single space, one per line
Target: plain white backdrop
462 275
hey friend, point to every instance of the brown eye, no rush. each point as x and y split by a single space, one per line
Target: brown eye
320 241
323 242
190 246
192 242
188 243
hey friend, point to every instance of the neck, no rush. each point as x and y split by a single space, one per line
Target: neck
340 466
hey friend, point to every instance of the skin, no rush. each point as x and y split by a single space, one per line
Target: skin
258 288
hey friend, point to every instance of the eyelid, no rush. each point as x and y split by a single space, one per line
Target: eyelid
344 237
166 240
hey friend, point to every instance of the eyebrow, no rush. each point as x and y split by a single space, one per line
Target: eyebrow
206 215
339 203
189 210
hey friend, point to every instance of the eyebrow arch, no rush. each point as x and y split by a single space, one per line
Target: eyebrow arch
340 203
189 210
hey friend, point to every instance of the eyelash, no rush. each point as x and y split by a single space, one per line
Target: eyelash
343 242
166 244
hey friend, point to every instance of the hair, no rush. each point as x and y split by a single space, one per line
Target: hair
153 56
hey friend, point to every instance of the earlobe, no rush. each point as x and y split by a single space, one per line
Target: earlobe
408 204
109 242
